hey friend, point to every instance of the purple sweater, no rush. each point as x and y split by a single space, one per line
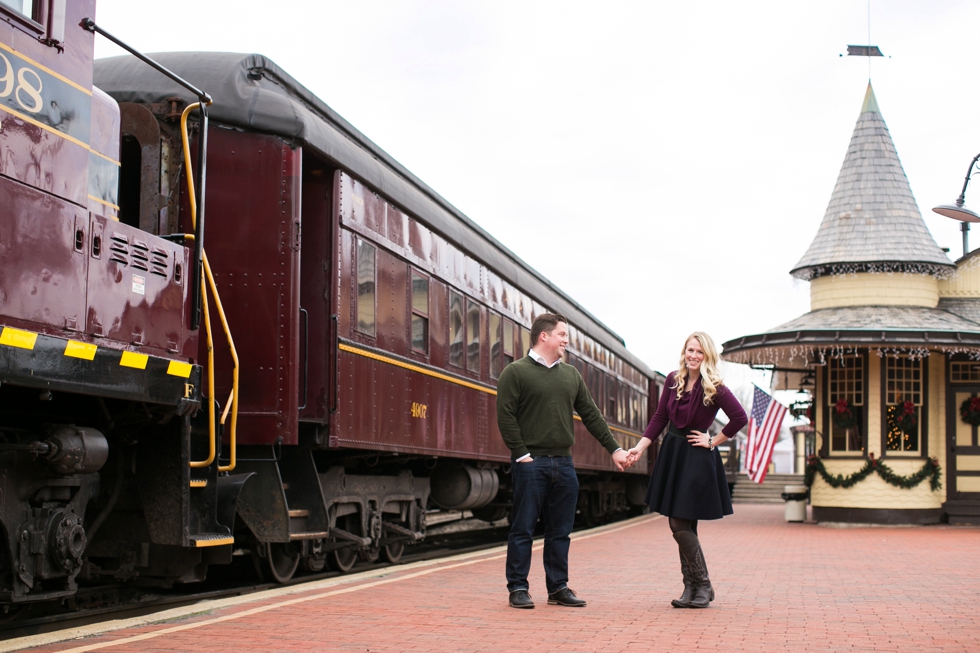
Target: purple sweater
689 412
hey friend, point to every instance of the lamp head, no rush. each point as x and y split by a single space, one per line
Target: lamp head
957 211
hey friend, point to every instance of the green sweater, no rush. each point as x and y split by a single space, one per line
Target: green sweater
534 409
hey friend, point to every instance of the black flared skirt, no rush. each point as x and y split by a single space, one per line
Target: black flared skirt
688 482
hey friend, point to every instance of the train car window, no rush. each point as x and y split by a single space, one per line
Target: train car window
496 356
457 330
18 6
508 342
635 416
365 288
611 401
420 313
473 337
44 19
525 341
621 407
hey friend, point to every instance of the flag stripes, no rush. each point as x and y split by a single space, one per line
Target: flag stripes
764 423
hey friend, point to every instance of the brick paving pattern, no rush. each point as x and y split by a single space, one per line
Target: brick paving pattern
780 587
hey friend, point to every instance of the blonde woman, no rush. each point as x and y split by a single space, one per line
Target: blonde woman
688 481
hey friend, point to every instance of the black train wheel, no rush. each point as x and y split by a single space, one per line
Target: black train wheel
343 559
282 561
275 561
393 552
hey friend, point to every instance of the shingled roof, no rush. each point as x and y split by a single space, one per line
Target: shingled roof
872 222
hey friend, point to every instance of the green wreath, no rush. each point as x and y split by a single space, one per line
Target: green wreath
930 470
970 411
843 416
902 417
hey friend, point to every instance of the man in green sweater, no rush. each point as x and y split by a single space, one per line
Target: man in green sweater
535 399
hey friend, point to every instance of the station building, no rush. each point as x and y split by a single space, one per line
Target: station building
889 352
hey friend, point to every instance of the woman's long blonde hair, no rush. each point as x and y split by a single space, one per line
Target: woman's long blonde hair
710 378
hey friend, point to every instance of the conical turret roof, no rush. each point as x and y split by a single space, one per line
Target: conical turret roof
872 223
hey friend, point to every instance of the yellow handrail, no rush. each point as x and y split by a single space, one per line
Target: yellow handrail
233 396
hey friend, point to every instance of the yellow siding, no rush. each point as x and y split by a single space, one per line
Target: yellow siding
874 405
818 409
874 289
937 412
873 492
965 282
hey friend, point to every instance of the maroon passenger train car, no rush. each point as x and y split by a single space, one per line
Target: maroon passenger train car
373 319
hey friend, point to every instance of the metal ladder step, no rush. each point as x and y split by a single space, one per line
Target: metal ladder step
202 540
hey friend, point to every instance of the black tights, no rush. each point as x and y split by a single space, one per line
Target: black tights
677 524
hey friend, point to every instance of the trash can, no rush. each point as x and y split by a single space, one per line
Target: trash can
795 498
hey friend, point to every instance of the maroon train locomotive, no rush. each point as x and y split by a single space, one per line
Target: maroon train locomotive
372 316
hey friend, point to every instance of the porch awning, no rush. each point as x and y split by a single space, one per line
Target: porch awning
815 336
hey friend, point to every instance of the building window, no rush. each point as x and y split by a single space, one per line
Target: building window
845 401
457 330
420 313
903 404
964 372
365 288
473 337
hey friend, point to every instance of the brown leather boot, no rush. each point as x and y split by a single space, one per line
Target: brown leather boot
689 586
690 548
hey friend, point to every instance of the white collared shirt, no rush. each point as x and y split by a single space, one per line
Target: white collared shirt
535 356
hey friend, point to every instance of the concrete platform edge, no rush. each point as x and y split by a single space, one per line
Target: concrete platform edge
174 614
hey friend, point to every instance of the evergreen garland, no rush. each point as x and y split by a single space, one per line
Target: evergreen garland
930 470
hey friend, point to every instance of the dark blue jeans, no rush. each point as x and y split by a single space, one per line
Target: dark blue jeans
546 488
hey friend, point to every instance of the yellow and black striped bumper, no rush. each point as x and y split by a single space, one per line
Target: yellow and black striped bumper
36 360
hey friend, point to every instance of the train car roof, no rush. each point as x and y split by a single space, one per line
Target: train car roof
251 91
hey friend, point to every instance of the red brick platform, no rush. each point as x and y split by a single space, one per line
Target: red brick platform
780 587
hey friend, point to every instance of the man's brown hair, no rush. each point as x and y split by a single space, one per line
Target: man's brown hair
545 323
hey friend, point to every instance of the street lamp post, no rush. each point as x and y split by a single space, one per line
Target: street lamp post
958 211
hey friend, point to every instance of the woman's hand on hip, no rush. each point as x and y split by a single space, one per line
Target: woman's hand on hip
699 439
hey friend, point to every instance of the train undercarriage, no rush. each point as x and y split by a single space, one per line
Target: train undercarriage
100 491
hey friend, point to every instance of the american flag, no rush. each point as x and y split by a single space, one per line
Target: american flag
764 422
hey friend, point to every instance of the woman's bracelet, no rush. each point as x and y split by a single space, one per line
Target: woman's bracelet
711 443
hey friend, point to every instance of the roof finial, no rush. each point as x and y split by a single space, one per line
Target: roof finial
870 101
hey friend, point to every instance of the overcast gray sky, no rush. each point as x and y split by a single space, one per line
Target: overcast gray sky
665 163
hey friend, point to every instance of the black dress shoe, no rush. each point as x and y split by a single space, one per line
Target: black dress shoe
521 599
567 598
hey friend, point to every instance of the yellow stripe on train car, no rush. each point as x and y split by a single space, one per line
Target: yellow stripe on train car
18 338
177 368
82 350
134 360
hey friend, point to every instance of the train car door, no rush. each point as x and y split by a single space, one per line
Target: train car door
252 241
318 327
